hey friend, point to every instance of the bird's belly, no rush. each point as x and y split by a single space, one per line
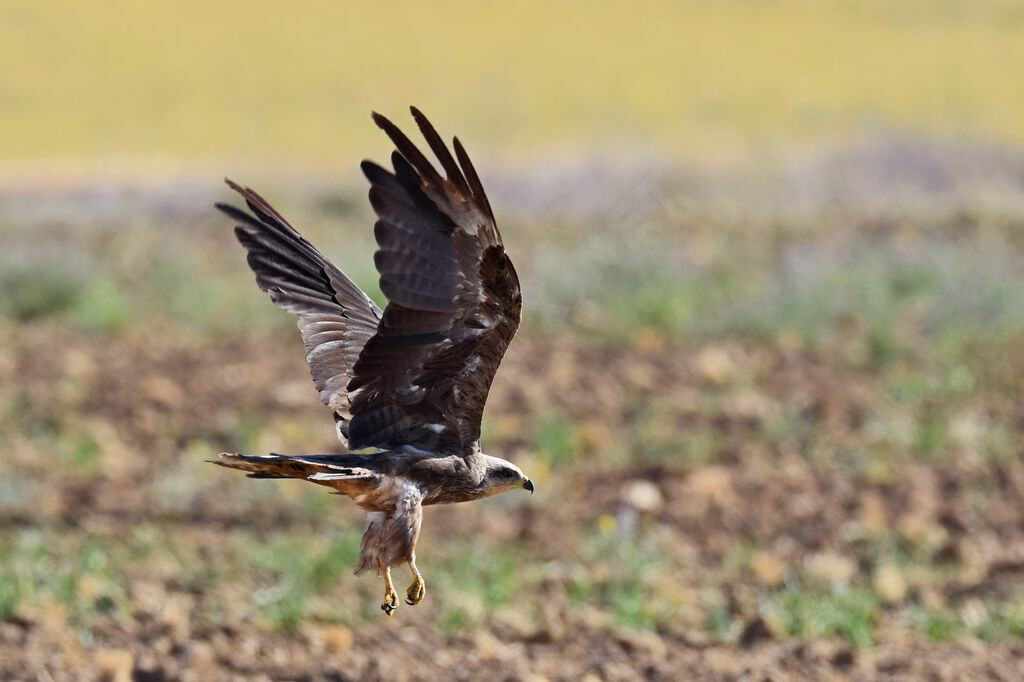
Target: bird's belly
382 496
370 496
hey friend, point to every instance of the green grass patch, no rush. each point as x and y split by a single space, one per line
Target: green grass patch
300 571
632 566
941 626
995 623
475 581
193 290
83 578
37 292
103 306
849 613
558 437
10 595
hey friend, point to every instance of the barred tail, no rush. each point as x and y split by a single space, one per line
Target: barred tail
310 467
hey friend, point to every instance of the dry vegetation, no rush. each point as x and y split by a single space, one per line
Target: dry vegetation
775 438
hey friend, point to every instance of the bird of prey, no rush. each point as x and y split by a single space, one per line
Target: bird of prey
407 383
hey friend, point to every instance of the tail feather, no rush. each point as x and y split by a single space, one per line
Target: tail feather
311 467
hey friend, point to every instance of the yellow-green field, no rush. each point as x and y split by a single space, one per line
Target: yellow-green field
126 86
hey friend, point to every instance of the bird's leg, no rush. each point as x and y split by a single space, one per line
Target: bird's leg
390 596
414 595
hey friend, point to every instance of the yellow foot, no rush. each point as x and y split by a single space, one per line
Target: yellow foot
390 596
390 602
414 595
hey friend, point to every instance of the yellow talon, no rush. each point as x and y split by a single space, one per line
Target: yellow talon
414 595
390 596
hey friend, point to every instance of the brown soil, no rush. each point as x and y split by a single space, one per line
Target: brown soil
147 397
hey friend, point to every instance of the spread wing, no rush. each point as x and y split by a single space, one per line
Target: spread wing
336 318
454 303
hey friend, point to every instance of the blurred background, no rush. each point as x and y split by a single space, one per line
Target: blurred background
769 378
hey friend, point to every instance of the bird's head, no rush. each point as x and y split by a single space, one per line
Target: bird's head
500 476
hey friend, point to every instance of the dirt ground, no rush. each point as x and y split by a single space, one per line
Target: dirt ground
768 443
799 517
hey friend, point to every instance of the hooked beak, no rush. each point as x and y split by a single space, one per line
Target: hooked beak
528 485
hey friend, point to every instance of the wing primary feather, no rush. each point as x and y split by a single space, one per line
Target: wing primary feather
238 214
260 206
441 152
472 178
411 153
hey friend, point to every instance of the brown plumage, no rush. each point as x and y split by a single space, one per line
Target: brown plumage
409 382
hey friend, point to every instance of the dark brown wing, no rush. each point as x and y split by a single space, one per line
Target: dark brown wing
454 303
335 317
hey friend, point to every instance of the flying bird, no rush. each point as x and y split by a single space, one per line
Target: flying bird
407 383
